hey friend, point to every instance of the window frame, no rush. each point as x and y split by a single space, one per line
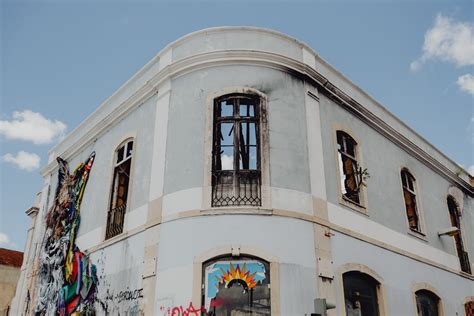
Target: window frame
234 251
265 192
362 206
421 233
461 232
426 287
129 137
361 268
230 258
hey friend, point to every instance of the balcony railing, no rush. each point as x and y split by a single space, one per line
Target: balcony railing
115 219
236 188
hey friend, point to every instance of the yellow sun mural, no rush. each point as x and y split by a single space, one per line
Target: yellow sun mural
237 274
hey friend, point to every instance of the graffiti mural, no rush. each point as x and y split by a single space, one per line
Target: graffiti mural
67 280
237 286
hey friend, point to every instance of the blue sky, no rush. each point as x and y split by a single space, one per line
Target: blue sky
61 59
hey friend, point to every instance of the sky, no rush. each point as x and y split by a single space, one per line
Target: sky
61 59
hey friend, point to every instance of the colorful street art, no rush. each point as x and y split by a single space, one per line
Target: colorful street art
67 280
223 274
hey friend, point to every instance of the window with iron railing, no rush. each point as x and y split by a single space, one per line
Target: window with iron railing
119 191
236 170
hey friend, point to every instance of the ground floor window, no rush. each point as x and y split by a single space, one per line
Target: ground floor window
427 303
234 286
360 294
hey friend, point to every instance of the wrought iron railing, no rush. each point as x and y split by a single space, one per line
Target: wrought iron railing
235 188
115 219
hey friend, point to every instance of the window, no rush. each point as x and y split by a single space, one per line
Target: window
236 171
350 173
119 191
409 194
360 294
469 308
427 303
236 286
456 222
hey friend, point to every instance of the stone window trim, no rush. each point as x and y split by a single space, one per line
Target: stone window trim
467 303
127 137
358 267
236 251
427 287
421 232
362 206
264 148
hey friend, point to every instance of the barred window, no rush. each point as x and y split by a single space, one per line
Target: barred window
427 303
409 195
351 182
455 218
236 171
119 190
360 294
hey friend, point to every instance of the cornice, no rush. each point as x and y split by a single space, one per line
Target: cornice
269 60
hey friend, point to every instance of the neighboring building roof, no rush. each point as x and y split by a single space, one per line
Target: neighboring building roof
10 257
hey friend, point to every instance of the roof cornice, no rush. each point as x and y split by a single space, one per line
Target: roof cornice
269 60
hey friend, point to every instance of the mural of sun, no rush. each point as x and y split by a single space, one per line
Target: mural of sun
236 274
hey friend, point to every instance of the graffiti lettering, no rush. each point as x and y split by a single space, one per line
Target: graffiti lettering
180 311
129 295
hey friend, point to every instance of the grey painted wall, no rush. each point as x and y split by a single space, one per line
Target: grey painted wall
384 161
399 275
95 203
187 118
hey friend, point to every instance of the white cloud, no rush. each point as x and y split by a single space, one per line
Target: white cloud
4 239
466 84
448 40
31 126
471 170
23 160
227 162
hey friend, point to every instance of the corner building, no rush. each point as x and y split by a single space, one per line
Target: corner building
239 173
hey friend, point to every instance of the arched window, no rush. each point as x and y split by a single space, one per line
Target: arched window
351 178
455 217
360 294
409 195
236 286
119 190
236 170
427 303
469 308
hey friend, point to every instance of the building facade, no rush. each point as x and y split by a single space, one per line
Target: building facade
239 173
10 263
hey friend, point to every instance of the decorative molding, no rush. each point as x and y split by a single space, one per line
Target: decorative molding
280 213
269 60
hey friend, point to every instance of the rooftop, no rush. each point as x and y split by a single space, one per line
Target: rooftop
10 257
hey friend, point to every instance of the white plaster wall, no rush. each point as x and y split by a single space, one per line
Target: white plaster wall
291 241
400 274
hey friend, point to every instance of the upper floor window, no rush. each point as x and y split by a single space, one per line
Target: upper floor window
360 294
236 170
351 178
454 215
236 286
409 194
119 190
427 303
